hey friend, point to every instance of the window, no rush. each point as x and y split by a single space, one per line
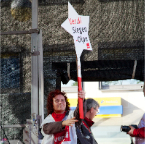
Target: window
10 72
129 84
70 87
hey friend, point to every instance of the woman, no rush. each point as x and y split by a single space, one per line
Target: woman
59 126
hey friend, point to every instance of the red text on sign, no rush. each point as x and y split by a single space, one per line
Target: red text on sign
75 21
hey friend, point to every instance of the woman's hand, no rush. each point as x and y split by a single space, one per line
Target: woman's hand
81 94
69 122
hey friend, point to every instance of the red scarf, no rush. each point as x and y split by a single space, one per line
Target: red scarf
63 135
58 117
89 123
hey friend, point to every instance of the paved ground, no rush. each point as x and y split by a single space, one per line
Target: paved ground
110 135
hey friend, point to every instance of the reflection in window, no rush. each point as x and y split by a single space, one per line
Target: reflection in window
69 84
121 84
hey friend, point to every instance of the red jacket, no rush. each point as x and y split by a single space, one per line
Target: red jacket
140 132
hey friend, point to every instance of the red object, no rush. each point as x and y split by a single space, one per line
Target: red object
4 139
88 45
63 135
80 100
89 123
140 132
79 21
26 131
58 117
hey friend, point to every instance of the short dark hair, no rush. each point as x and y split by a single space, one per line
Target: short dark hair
91 103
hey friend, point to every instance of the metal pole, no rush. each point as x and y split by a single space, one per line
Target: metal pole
41 77
34 60
34 63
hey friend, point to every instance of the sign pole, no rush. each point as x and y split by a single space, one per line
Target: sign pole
78 27
79 78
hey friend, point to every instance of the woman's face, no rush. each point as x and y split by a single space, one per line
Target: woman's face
59 104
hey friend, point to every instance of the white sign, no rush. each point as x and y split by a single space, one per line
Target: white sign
78 27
